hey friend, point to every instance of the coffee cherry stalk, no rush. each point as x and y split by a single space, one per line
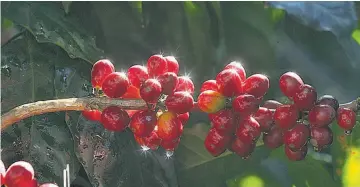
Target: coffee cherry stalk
154 102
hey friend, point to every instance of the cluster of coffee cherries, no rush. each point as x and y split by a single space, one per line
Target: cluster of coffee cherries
168 97
232 101
20 174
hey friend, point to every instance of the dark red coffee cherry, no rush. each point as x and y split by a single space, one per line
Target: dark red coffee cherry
143 123
184 118
185 84
296 137
156 65
256 85
223 122
168 82
172 64
245 104
229 83
137 74
115 85
248 127
328 100
180 102
289 83
114 118
238 68
150 90
321 116
296 155
274 138
93 115
242 148
215 143
321 138
305 97
100 70
265 118
152 141
271 104
346 118
170 145
285 116
209 85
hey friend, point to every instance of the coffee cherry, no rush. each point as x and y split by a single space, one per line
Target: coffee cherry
248 127
143 122
328 100
93 115
211 101
223 122
245 104
215 143
256 85
296 137
289 83
242 148
305 97
209 85
229 83
185 84
156 65
168 82
265 118
172 64
274 138
296 155
285 116
2 172
137 74
184 118
49 185
132 93
321 137
115 85
346 118
20 173
321 116
271 104
114 118
169 126
150 90
170 145
238 68
152 141
180 102
100 70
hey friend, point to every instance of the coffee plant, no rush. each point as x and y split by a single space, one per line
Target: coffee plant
154 123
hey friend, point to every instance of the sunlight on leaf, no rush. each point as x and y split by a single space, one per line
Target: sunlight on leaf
356 35
351 170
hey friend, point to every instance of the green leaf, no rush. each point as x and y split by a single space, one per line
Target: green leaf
308 172
356 35
66 5
45 141
277 14
197 167
47 22
254 177
113 159
6 23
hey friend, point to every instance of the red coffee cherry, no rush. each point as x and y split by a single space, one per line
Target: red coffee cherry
20 173
250 128
238 68
229 83
179 102
265 118
321 116
150 90
256 85
215 143
143 123
223 122
137 74
285 116
305 97
209 85
156 65
185 84
245 104
168 82
115 85
296 137
100 70
274 138
114 118
242 148
346 118
321 137
172 64
169 126
93 115
296 155
289 83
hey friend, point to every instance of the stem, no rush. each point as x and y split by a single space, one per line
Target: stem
70 104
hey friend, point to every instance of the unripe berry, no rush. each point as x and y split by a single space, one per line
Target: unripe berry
115 85
328 100
305 97
100 70
265 118
245 104
256 85
289 83
209 85
346 118
143 122
238 68
185 84
296 155
150 90
211 101
296 137
137 74
180 102
114 118
229 83
285 116
169 126
215 143
321 137
274 138
20 173
321 116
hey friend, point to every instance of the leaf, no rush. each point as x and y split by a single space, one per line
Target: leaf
112 159
356 35
46 21
254 177
344 150
66 5
45 141
308 172
336 17
196 167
